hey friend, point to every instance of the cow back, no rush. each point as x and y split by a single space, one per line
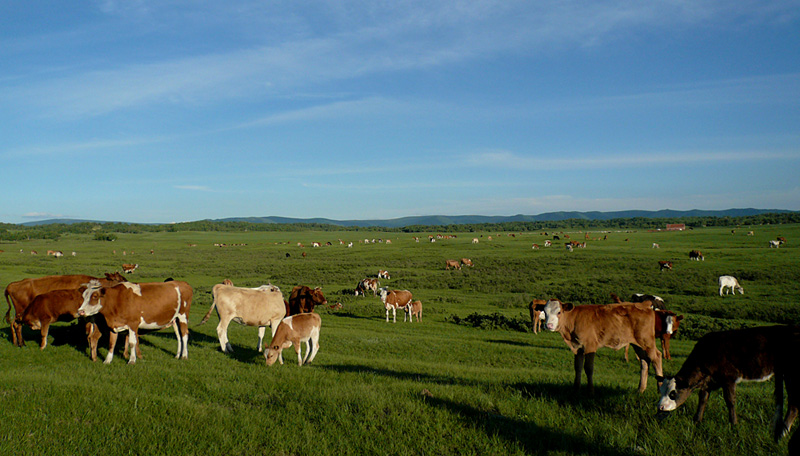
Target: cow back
151 305
250 306
610 325
303 299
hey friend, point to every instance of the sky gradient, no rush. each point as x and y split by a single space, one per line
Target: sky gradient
168 111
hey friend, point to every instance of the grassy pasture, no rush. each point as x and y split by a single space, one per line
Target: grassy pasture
432 387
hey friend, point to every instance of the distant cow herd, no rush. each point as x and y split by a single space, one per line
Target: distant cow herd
719 360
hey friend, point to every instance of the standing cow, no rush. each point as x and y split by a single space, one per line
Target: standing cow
452 264
48 308
723 359
259 307
129 306
587 328
303 300
21 293
395 299
536 308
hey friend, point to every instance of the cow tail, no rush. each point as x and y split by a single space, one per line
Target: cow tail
208 314
8 313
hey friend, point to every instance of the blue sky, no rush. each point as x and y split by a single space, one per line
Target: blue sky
165 111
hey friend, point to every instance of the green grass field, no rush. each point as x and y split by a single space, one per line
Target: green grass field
433 387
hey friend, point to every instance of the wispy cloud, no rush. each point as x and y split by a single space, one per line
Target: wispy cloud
41 215
198 188
511 160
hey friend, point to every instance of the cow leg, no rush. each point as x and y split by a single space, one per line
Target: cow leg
626 352
222 334
45 331
299 353
702 402
273 326
261 331
588 367
665 346
729 393
112 342
793 392
394 314
183 339
579 357
133 342
14 332
17 331
387 315
313 346
92 336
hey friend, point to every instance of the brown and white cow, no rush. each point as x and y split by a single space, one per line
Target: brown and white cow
723 359
395 299
667 323
134 306
466 262
665 265
367 284
383 275
21 293
303 299
294 330
587 328
259 307
536 308
452 264
696 255
129 268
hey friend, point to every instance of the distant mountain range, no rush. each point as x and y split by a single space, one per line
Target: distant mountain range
438 220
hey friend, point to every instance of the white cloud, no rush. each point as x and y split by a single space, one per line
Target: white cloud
41 215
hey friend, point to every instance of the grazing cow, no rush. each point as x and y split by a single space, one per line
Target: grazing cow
293 330
729 282
587 328
656 246
303 299
336 306
475 240
536 308
50 307
367 284
259 306
228 282
723 359
535 246
665 265
548 243
696 255
452 264
775 244
129 306
466 262
395 299
414 309
129 268
21 293
781 238
383 274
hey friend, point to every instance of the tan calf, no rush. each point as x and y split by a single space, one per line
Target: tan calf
587 328
452 264
292 331
414 309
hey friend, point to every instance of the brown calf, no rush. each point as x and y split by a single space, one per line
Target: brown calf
292 331
587 328
452 264
303 299
723 359
48 308
414 309
536 308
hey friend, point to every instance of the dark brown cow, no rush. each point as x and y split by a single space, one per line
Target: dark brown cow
587 328
723 359
665 265
21 293
130 306
303 299
50 307
536 307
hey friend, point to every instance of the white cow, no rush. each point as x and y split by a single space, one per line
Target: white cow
727 281
260 307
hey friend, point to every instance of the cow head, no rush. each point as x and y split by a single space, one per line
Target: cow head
274 352
552 312
317 297
92 299
674 392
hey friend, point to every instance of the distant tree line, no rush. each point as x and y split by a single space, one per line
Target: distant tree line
103 231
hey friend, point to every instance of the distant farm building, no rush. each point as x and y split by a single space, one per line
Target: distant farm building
676 227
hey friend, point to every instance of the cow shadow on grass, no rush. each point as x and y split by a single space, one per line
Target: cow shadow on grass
415 376
534 439
605 398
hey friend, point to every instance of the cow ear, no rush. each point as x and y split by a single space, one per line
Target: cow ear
567 306
679 317
287 344
82 288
